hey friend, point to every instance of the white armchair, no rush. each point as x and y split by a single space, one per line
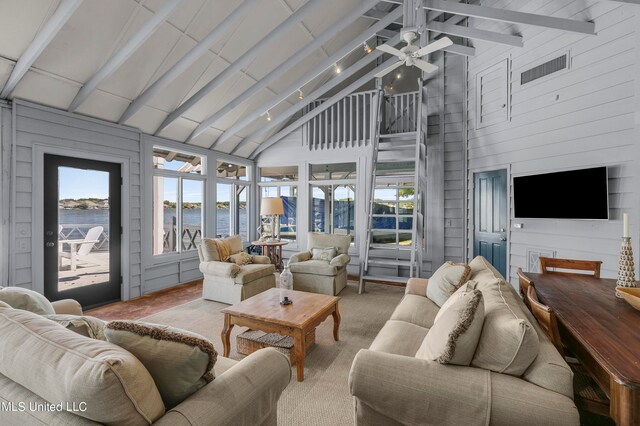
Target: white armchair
321 276
230 283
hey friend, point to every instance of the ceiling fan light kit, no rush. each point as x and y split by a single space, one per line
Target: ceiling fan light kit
411 54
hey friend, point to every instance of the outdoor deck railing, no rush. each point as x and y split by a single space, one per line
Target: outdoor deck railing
77 231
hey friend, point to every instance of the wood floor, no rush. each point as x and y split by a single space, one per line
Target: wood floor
149 304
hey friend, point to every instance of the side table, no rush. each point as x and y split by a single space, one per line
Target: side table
273 250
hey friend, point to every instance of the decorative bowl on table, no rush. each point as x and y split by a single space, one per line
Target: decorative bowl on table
631 295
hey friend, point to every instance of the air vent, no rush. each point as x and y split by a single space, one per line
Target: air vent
545 69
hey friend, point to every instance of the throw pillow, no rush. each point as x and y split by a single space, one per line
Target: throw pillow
509 344
84 325
454 336
27 300
241 258
4 305
209 250
179 361
459 293
325 254
446 280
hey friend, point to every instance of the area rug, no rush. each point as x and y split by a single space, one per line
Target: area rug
323 398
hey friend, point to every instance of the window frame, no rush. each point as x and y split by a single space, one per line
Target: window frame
179 176
395 184
333 183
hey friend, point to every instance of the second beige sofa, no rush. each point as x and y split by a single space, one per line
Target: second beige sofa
391 386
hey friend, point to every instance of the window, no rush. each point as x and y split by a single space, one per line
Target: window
333 198
231 171
231 204
333 209
289 195
335 171
231 208
280 181
279 174
392 220
177 201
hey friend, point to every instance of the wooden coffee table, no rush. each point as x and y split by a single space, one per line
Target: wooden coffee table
264 312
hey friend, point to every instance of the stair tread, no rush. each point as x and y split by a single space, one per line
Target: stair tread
402 280
397 135
390 262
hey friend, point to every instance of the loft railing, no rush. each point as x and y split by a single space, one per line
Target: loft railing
347 123
400 113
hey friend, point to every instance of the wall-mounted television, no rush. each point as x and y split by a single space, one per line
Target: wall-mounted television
572 194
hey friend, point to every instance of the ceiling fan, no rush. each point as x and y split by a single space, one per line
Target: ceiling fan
411 55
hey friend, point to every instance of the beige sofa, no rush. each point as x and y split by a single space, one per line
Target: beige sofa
230 283
391 386
44 363
319 276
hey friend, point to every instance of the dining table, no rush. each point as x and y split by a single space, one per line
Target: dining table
602 331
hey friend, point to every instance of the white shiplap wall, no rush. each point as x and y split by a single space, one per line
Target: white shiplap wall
583 117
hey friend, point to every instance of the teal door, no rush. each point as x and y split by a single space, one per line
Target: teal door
491 218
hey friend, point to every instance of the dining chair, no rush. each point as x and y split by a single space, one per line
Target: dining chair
588 396
592 266
524 282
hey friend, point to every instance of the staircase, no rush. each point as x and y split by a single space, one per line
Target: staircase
398 167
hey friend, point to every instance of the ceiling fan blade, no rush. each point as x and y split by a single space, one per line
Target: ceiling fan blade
388 69
425 66
436 45
390 49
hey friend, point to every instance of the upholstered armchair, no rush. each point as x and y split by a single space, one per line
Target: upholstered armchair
228 282
321 274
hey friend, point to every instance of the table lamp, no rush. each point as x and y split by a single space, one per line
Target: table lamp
272 206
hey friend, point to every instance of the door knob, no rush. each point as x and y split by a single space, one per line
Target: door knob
503 239
50 244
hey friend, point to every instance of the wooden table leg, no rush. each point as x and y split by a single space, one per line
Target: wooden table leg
336 323
299 349
226 334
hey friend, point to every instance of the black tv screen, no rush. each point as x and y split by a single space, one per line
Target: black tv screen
574 194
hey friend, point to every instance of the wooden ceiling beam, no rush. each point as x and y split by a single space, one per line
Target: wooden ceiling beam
285 66
476 34
241 62
186 61
511 16
65 10
309 76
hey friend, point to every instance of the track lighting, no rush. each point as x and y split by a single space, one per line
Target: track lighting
300 94
337 68
398 76
367 48
268 114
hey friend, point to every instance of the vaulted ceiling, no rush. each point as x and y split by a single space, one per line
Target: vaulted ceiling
223 74
97 30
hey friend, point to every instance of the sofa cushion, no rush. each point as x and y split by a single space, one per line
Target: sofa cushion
252 272
400 338
219 249
508 343
482 269
340 242
418 310
179 361
82 324
323 253
59 365
241 258
454 336
315 267
446 280
27 300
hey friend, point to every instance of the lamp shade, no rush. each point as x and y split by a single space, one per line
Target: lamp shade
271 206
